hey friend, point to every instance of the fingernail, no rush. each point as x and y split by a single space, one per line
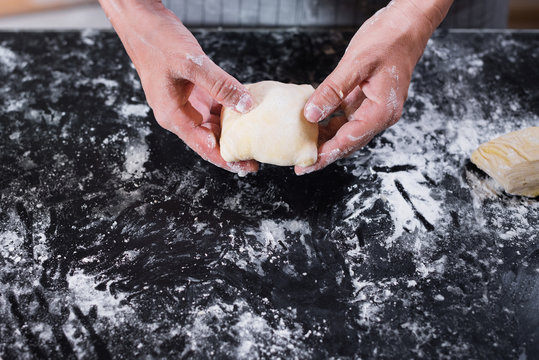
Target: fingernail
245 103
313 113
238 168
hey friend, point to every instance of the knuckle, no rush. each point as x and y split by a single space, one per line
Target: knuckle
223 89
331 91
188 69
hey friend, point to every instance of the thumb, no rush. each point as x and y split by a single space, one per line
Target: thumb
330 94
223 87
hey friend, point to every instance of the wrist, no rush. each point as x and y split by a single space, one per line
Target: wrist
124 14
422 18
429 14
141 25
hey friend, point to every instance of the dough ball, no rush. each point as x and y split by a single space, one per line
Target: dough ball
275 130
513 161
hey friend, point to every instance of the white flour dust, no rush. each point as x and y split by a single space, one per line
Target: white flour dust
8 59
253 335
272 238
198 60
82 289
87 36
243 102
134 110
137 151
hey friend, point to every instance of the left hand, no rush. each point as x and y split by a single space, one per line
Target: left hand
370 83
183 86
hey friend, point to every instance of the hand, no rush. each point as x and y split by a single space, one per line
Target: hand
184 88
370 83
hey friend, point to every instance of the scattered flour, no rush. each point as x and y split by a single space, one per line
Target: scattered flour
107 82
198 60
83 292
88 35
253 336
8 59
134 110
137 151
10 245
272 237
135 157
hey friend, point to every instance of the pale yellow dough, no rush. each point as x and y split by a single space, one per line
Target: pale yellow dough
275 130
513 160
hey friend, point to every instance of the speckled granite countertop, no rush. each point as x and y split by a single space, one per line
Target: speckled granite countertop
116 241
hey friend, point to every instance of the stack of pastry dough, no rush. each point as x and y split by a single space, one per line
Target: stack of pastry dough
513 160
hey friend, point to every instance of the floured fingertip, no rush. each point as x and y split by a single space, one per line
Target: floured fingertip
245 103
312 113
241 169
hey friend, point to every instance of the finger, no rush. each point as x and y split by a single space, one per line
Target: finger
203 141
336 87
328 131
384 89
368 120
165 106
214 124
200 135
214 119
216 108
215 128
353 101
201 102
221 86
181 91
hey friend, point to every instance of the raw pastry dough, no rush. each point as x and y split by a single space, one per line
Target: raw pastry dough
275 130
513 160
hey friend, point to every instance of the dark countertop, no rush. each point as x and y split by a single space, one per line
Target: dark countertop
118 241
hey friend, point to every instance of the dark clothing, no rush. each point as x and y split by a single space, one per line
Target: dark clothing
349 13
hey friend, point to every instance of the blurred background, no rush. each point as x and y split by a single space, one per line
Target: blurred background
75 14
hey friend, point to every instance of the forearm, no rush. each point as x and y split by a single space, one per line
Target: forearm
122 13
431 12
182 85
145 27
434 11
410 23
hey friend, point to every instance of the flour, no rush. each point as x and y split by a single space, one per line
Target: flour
243 102
134 110
237 168
358 139
404 242
8 59
107 82
10 245
272 239
87 36
197 60
322 112
136 152
392 101
135 157
82 288
253 335
15 104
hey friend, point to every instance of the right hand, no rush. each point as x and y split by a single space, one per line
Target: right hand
184 88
